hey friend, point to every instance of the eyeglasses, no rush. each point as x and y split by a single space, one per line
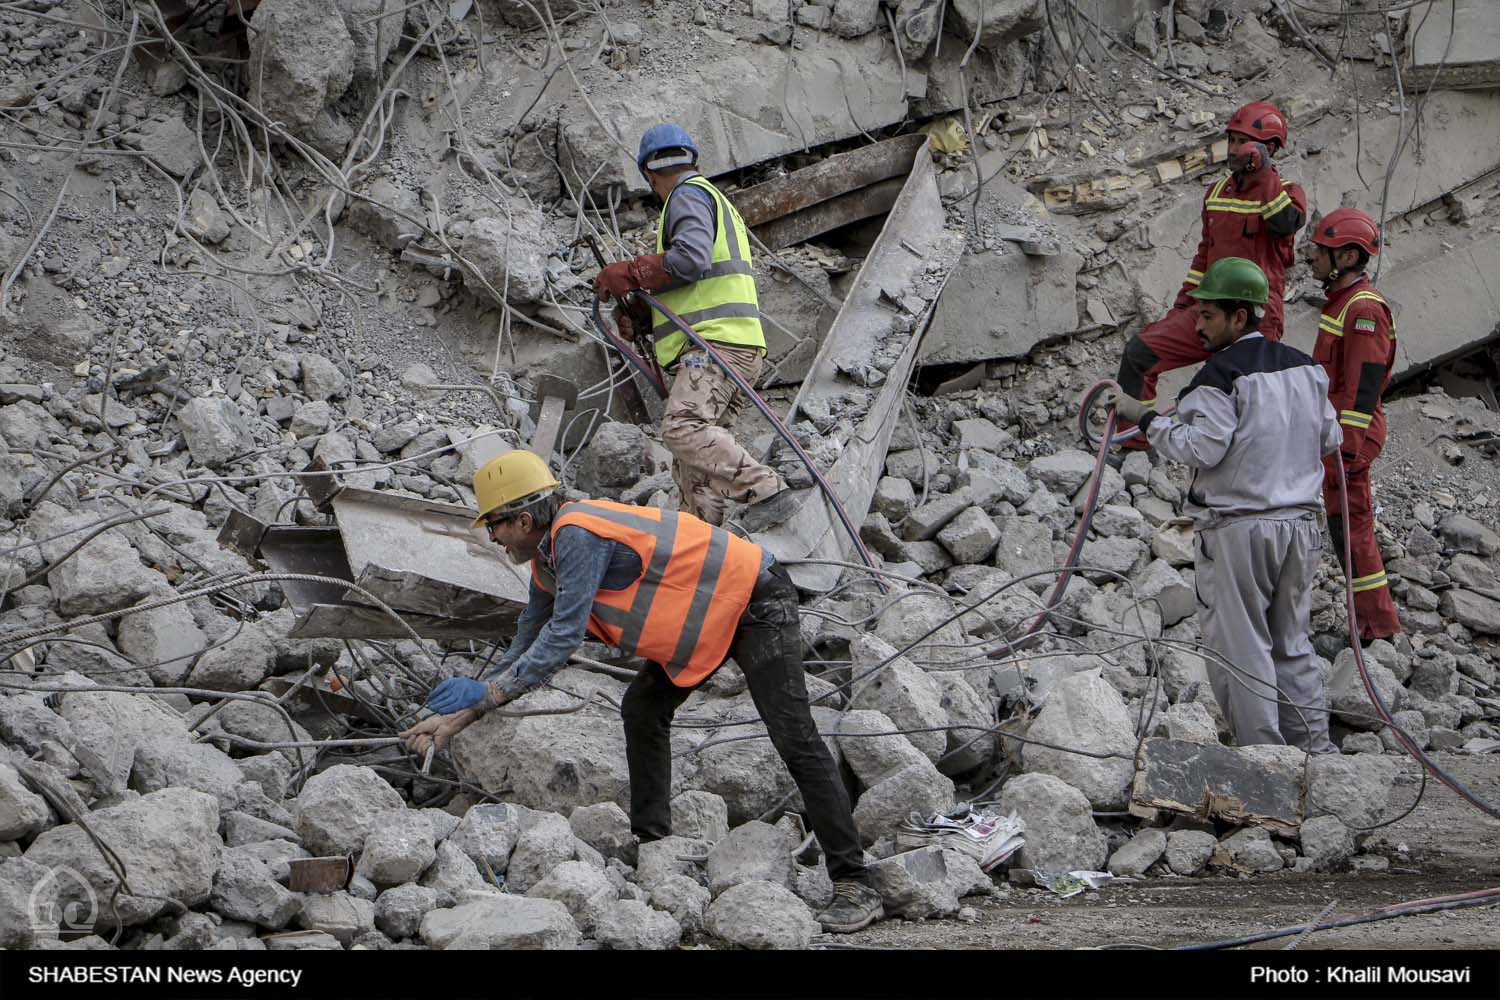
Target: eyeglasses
494 522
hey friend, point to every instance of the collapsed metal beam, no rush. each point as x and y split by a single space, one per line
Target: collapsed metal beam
866 361
421 558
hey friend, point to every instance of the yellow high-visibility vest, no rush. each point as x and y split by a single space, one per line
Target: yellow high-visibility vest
721 306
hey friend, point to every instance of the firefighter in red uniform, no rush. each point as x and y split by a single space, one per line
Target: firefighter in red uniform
1251 213
1357 346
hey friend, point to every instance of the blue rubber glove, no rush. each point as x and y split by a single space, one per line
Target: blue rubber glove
456 694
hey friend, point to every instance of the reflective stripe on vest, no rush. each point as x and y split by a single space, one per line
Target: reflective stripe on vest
720 306
1335 324
1217 202
683 610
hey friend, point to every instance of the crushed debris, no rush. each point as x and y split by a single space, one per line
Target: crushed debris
277 279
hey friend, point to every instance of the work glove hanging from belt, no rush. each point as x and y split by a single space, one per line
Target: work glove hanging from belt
647 272
1128 408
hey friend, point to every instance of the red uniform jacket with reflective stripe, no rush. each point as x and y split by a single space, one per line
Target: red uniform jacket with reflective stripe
1234 225
1357 346
695 582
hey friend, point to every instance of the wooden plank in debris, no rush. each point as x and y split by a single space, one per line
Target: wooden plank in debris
1260 786
801 226
839 174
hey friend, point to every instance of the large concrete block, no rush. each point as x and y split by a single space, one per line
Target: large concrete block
1260 784
1458 42
1001 305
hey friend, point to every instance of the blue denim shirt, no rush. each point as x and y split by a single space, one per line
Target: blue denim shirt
553 626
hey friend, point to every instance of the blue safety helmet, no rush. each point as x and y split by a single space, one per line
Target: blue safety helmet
662 137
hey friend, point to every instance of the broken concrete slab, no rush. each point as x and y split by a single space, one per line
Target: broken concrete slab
631 925
23 813
1085 712
914 885
198 766
215 429
168 842
398 848
110 726
553 762
1249 850
759 915
1138 853
1001 305
752 851
1189 850
753 105
1455 44
542 846
337 808
508 256
905 693
919 787
29 907
302 60
580 887
245 889
700 814
869 352
997 23
1260 784
1060 831
606 828
873 758
502 922
105 575
1356 789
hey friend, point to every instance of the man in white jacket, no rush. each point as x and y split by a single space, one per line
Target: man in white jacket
1254 425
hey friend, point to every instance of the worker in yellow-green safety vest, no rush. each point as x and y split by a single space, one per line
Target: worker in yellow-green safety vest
700 271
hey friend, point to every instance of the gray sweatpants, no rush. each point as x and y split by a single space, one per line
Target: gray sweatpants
1254 579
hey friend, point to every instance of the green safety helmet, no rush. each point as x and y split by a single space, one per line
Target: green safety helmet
1235 279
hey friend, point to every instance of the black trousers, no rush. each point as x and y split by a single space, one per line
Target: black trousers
768 647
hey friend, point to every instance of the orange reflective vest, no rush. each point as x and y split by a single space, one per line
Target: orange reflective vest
695 582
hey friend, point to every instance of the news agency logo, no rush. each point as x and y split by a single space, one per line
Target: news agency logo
62 900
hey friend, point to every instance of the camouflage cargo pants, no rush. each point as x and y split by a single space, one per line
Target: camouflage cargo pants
708 464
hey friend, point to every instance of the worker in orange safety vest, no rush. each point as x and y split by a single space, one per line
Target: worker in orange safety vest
682 594
1251 213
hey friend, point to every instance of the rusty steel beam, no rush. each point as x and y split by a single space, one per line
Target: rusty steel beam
839 174
803 225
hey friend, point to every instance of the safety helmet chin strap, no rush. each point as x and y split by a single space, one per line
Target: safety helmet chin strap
1335 272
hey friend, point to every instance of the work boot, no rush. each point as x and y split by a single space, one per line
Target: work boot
854 907
768 513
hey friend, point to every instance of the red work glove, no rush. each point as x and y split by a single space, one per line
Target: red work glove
623 277
1251 159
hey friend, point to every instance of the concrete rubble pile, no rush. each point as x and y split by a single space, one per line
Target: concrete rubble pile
140 407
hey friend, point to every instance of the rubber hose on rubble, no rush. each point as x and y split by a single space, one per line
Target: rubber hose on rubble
1406 743
761 405
636 361
1102 444
1481 897
1090 505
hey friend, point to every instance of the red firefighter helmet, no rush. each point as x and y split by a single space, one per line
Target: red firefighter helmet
1347 227
1259 120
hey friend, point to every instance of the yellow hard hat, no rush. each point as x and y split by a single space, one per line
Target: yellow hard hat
511 480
